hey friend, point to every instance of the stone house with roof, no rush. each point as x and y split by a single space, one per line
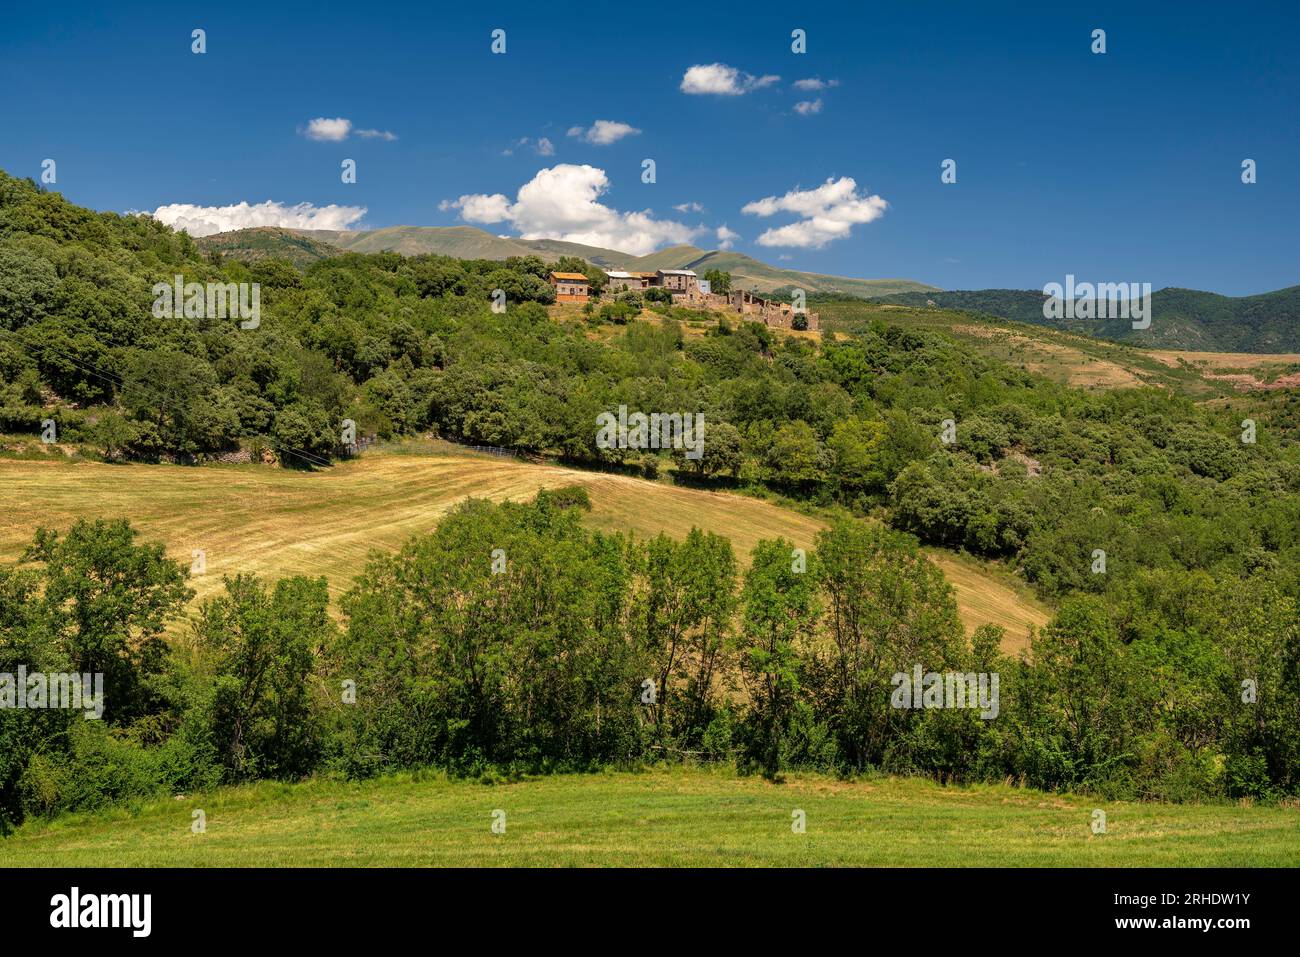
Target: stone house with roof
620 281
570 286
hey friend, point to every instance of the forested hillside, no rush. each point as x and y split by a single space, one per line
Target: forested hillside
268 242
1167 534
1180 318
404 345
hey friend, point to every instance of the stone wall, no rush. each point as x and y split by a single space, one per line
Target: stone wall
777 315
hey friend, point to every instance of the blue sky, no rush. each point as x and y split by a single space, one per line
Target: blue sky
1117 167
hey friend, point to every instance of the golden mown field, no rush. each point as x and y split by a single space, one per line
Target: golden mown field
275 522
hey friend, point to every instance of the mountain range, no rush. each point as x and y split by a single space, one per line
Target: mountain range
1181 318
303 246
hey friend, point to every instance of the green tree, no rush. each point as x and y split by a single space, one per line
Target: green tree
887 609
501 638
684 616
106 600
27 286
260 644
779 611
796 457
722 451
114 435
303 433
719 281
176 393
855 446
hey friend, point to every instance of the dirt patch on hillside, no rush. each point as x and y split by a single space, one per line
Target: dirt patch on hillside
1056 360
1242 369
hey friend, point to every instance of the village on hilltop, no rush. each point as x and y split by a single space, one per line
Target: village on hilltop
687 289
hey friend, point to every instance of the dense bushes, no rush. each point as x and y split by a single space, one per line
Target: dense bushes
512 637
495 641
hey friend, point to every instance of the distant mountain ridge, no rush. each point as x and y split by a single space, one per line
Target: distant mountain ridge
1180 318
269 242
467 242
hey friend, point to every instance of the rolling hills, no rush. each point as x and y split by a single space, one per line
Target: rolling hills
1182 319
269 242
1186 319
467 242
1075 358
280 522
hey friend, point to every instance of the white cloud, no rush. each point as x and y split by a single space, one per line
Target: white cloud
826 213
561 203
206 220
330 130
815 83
722 80
726 237
807 108
479 207
604 132
541 146
689 207
338 129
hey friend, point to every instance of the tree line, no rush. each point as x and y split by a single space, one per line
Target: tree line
514 640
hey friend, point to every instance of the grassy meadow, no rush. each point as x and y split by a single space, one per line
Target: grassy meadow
664 817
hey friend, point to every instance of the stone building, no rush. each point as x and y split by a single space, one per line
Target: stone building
678 280
771 312
690 291
570 286
622 281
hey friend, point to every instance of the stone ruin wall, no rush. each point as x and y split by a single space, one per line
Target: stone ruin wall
776 315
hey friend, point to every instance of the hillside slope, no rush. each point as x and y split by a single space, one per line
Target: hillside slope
279 522
1180 318
1076 359
269 242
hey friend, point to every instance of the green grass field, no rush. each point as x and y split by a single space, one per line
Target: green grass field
673 817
